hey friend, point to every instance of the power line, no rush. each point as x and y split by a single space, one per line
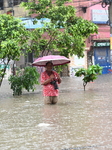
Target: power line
83 1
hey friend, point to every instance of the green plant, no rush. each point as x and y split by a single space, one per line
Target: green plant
30 78
10 10
16 84
24 79
59 68
13 40
63 31
89 74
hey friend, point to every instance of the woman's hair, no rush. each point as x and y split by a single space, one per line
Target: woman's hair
49 62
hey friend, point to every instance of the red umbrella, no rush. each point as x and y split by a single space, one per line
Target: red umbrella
55 59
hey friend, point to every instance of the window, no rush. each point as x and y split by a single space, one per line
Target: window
15 2
1 5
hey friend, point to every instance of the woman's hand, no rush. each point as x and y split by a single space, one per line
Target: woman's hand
58 78
52 77
48 80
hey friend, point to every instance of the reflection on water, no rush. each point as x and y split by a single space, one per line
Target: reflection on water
80 120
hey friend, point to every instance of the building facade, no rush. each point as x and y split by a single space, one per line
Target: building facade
97 50
98 45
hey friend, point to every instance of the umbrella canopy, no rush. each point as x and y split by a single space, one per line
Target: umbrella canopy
55 59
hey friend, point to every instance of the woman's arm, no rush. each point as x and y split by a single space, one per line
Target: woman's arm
59 79
46 82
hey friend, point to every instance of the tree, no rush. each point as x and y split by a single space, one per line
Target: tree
65 32
24 79
13 40
89 74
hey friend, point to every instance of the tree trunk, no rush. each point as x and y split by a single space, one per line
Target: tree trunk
4 70
84 84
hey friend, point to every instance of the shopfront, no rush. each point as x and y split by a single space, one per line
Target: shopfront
102 55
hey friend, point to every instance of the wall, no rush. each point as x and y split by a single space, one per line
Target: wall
77 63
18 11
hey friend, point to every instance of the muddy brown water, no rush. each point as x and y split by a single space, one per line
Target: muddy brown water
80 120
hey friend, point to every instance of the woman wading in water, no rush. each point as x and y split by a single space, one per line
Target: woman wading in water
50 80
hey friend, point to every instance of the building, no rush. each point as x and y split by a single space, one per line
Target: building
100 43
97 50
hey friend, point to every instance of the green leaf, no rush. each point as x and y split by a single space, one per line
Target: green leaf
26 79
89 74
65 33
13 38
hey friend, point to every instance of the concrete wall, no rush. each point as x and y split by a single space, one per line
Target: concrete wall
18 11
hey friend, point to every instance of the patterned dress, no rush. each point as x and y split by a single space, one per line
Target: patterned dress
48 89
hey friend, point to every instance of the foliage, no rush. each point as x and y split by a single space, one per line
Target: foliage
26 79
13 40
60 68
30 77
16 84
89 74
64 32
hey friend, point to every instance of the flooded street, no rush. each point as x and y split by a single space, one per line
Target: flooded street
80 120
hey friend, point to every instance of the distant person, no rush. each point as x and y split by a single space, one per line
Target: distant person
50 80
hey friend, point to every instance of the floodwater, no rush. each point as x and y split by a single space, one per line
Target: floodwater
80 120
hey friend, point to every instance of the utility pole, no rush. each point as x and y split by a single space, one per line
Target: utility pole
110 23
104 4
12 5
